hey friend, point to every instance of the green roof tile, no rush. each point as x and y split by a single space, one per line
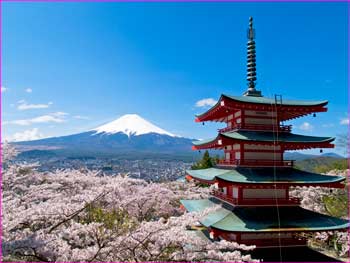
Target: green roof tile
268 219
267 137
215 217
197 205
263 219
271 136
264 175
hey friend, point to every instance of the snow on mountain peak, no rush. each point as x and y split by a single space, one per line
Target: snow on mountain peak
131 124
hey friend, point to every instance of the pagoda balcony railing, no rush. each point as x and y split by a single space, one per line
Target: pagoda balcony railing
258 127
224 197
255 201
256 163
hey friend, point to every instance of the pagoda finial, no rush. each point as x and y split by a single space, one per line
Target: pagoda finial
251 65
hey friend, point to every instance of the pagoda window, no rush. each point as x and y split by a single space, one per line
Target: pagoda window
235 192
236 146
224 190
232 237
237 113
239 120
230 117
237 155
227 156
264 193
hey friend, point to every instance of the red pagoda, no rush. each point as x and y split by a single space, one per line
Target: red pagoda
253 180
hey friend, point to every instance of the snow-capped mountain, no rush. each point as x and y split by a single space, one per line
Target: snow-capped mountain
130 124
129 135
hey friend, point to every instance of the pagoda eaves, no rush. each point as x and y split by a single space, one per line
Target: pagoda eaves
288 141
286 109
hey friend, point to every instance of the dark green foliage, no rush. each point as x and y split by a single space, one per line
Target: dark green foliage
321 164
336 205
341 164
205 162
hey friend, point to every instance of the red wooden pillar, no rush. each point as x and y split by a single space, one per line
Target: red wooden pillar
242 119
238 238
240 194
229 191
241 148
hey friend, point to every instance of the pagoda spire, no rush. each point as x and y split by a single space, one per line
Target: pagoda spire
251 62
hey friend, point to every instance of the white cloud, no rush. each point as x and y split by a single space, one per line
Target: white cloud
26 106
59 114
206 102
23 105
306 127
56 117
27 135
3 89
79 117
344 121
29 90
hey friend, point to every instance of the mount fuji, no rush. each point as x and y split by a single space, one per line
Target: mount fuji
129 136
131 125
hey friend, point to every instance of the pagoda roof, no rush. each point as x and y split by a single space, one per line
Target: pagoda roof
269 101
253 136
263 219
290 109
268 175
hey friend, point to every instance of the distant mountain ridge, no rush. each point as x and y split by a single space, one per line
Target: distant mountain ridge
302 156
127 135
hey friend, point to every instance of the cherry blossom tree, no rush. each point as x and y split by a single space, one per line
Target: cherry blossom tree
83 215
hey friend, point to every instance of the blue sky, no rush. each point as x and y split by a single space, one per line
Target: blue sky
69 67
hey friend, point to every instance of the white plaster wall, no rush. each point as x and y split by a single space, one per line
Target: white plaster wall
267 121
261 147
236 146
260 113
264 193
262 156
